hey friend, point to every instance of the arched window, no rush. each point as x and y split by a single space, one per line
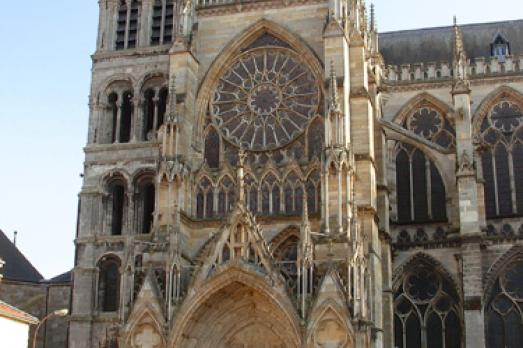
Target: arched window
204 199
426 310
226 196
109 284
420 191
162 22
503 161
145 206
503 316
212 148
270 195
117 207
127 24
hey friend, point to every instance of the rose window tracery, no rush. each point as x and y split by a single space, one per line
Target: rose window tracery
265 99
429 123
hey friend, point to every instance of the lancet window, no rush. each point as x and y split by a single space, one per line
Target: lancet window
162 22
205 199
313 188
426 310
212 148
503 317
226 195
127 24
116 205
502 132
293 194
145 203
251 193
109 284
270 191
420 191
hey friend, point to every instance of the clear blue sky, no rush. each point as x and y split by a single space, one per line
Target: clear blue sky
45 75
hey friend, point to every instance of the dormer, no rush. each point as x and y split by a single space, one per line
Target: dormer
500 47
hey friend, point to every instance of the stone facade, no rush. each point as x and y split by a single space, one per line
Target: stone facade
258 175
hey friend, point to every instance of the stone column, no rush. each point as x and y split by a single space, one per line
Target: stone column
469 219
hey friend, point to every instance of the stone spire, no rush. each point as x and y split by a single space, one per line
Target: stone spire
461 83
372 18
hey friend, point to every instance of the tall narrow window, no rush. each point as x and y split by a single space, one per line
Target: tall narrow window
315 135
162 22
226 196
126 117
113 112
420 191
503 317
117 208
127 24
148 115
426 310
109 285
204 199
502 131
147 207
162 106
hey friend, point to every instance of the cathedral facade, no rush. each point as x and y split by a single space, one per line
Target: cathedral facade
278 174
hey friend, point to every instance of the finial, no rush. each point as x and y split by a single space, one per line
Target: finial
455 20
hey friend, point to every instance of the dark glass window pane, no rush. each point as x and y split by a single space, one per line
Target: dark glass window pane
148 208
495 329
503 180
275 200
434 331
439 205
162 106
413 332
209 212
148 113
253 200
265 200
212 149
419 186
514 330
118 192
109 286
199 205
398 332
517 160
126 117
403 186
488 176
452 331
315 139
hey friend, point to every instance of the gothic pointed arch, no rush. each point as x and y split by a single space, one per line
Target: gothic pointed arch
236 47
498 127
503 297
428 117
285 252
236 306
427 305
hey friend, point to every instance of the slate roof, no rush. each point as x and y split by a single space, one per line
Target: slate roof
62 278
10 312
16 266
435 44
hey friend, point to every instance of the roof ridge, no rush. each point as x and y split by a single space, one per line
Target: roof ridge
449 26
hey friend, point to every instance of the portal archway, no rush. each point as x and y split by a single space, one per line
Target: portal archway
237 309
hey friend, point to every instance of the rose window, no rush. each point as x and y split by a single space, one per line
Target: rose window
425 122
265 99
